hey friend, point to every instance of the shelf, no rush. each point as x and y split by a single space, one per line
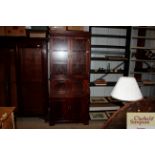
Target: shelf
93 71
143 48
144 27
108 59
142 60
153 73
108 46
143 37
108 52
143 85
114 27
146 83
92 84
103 107
108 36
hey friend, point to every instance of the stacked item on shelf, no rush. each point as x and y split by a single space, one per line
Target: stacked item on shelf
100 82
102 107
148 82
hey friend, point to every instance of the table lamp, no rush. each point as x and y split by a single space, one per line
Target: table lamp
127 89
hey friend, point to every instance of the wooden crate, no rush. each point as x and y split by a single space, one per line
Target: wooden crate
75 28
2 30
15 31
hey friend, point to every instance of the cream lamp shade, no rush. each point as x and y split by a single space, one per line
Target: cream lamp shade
126 89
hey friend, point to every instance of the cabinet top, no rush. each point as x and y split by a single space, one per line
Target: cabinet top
69 33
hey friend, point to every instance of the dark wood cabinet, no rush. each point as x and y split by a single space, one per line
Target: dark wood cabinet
23 75
69 83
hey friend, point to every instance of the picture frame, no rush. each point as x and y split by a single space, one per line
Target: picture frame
98 100
98 116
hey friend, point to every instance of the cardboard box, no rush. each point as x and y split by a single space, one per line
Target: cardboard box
15 31
58 28
2 30
37 34
75 28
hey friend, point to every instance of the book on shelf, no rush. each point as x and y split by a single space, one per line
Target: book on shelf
148 82
116 58
100 82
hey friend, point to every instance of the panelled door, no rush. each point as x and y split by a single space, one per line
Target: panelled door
33 95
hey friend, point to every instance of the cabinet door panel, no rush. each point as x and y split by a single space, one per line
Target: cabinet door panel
33 99
3 78
59 44
2 95
59 56
77 88
32 74
57 109
59 69
74 110
59 62
66 109
60 88
85 102
80 87
13 80
79 44
31 64
79 63
8 95
78 58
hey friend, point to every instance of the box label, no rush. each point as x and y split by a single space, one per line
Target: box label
140 120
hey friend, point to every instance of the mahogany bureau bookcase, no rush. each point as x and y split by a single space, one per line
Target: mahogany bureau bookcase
69 79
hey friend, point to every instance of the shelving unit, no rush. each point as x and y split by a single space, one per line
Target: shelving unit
110 53
142 59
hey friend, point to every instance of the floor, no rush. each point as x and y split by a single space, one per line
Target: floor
39 123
